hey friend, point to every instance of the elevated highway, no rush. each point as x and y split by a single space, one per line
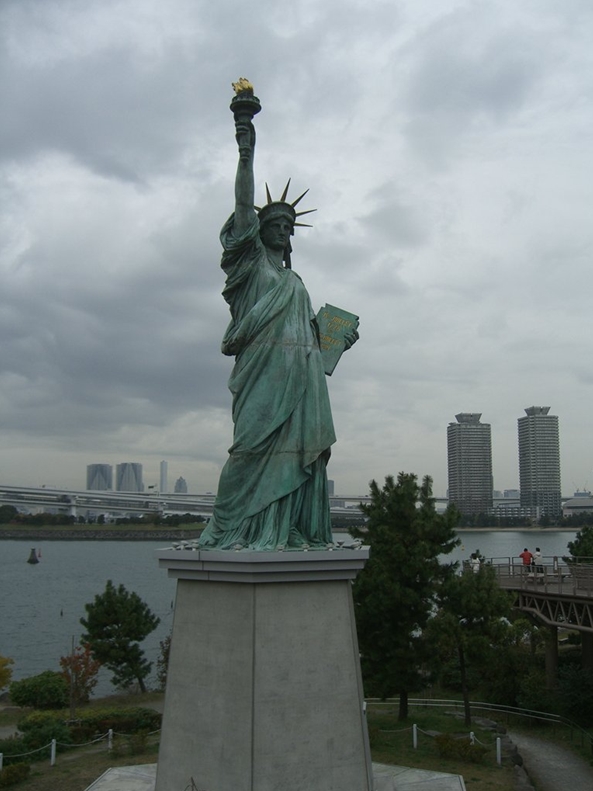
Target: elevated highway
121 504
91 502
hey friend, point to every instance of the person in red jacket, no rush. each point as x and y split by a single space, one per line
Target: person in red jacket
526 556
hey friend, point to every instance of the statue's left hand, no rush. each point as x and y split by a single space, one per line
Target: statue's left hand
350 339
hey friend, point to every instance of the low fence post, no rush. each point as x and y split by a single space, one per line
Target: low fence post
499 751
472 737
52 760
415 736
110 739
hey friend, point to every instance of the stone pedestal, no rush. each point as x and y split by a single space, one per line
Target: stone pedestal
264 689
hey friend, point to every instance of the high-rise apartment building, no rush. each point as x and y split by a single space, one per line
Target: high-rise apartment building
539 462
163 484
128 477
469 461
180 486
99 477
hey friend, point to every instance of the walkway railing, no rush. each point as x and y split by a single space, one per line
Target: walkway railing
556 720
550 574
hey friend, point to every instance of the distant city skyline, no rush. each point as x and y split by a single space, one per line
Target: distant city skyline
153 472
99 477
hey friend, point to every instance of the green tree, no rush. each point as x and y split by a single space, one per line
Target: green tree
7 514
5 671
582 546
394 594
473 617
47 690
80 670
117 621
513 657
575 692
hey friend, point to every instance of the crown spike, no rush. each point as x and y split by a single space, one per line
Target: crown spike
299 198
285 193
303 224
300 213
268 196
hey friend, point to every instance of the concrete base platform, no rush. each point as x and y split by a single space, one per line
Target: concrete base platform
264 689
126 778
386 778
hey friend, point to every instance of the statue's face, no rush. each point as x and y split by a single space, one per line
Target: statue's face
276 233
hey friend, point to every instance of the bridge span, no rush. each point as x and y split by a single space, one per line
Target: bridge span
558 595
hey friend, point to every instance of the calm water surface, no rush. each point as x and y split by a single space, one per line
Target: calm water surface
508 543
41 605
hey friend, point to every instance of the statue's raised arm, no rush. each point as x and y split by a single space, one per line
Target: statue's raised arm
244 107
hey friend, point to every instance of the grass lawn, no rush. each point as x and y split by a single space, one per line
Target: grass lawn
391 743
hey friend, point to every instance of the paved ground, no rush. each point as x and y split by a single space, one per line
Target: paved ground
551 767
387 778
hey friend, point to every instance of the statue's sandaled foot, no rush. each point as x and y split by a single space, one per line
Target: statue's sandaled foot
296 540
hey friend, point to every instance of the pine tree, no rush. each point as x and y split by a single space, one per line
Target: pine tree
395 592
473 617
117 621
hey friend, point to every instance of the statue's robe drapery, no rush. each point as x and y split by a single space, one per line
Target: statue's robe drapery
273 488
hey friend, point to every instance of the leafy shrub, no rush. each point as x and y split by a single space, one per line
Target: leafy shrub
575 688
39 718
14 745
5 668
48 690
11 775
138 742
533 694
40 727
122 720
42 735
459 748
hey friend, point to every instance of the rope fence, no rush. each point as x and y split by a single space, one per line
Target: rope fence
54 744
471 736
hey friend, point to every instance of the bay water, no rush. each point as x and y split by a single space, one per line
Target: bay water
41 605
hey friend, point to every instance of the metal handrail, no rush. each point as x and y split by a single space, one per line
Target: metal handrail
543 716
555 577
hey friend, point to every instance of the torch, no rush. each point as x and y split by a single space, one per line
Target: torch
244 107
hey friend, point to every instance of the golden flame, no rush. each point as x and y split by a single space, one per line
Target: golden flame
242 85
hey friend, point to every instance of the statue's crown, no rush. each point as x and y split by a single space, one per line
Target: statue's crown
282 208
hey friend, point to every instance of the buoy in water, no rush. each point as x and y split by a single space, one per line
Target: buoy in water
33 556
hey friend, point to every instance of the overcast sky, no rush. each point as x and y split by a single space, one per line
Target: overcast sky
448 149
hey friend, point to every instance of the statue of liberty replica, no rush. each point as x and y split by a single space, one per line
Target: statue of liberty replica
272 493
264 690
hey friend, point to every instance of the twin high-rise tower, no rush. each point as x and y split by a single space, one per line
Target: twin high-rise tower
469 457
539 462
